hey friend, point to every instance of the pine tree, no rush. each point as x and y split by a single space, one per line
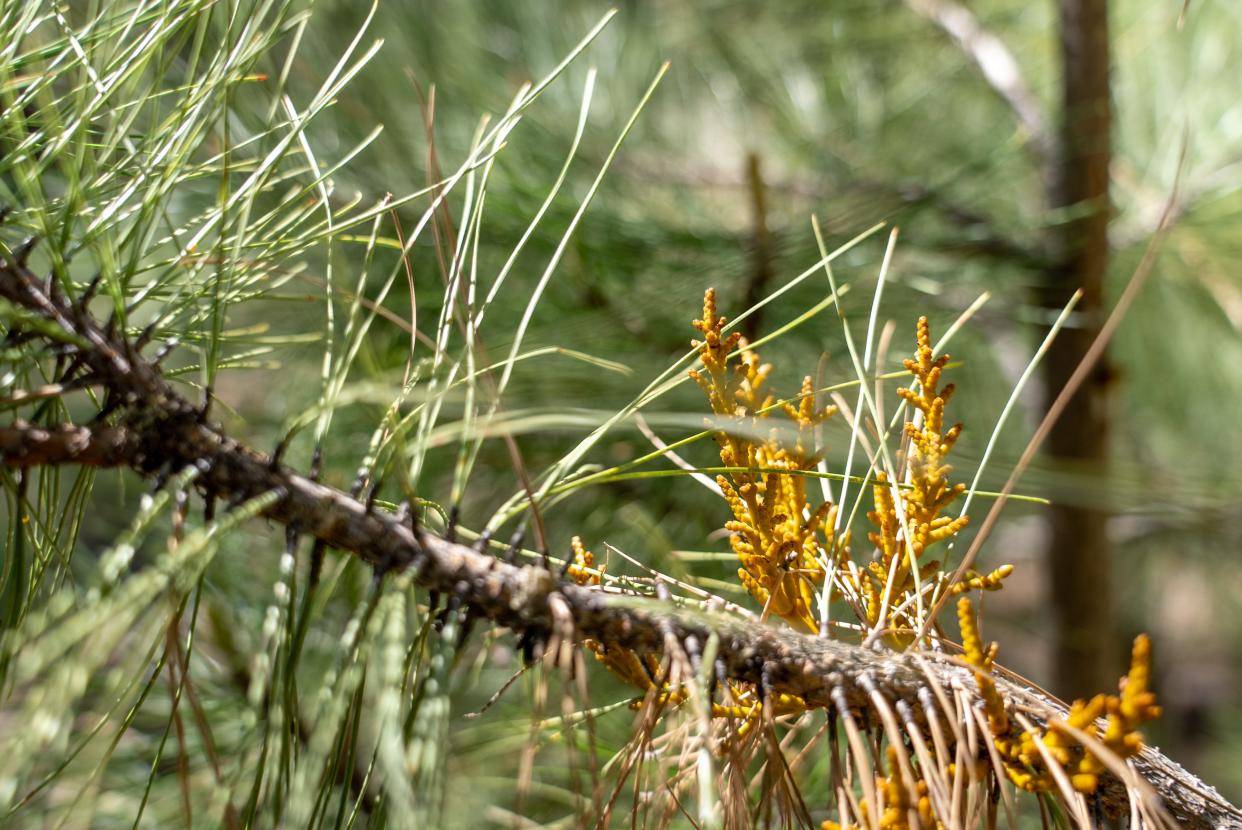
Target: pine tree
279 632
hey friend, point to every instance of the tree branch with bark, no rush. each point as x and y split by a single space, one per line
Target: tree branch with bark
147 426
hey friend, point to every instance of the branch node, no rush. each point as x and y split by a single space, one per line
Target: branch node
204 408
450 529
144 337
21 254
88 292
316 564
515 545
316 465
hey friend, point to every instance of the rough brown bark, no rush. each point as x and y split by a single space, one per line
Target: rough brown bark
24 445
160 431
1079 552
823 672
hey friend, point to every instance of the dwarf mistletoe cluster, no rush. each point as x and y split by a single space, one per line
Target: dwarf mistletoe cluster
788 547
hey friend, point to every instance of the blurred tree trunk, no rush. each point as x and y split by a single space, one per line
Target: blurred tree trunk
1079 553
761 248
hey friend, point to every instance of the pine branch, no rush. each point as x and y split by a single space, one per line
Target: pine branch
157 431
26 445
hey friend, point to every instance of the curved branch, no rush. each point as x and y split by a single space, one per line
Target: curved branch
163 431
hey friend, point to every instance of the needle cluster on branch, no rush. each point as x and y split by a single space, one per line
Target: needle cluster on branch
146 425
787 547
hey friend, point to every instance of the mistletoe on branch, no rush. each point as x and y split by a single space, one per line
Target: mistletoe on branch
146 425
